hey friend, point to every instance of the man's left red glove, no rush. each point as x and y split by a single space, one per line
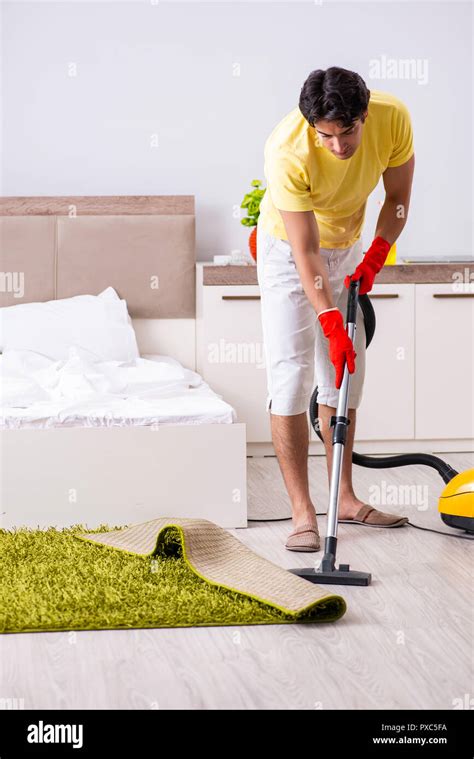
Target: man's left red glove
370 265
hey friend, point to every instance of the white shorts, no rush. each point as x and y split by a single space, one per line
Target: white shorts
296 350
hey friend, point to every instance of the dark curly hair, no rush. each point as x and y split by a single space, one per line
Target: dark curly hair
333 95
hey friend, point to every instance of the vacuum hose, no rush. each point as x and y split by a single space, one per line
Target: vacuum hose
382 462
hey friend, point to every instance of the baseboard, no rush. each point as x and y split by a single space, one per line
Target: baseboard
382 447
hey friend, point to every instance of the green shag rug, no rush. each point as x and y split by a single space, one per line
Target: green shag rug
51 581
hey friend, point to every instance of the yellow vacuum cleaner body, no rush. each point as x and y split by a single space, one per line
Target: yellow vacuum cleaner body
456 503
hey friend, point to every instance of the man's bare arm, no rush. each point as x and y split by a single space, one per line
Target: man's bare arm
303 236
393 215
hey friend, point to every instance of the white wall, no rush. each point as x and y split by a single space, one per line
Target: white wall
169 69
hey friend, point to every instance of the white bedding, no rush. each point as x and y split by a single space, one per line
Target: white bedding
39 392
97 325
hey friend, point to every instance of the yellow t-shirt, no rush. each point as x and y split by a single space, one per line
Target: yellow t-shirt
302 175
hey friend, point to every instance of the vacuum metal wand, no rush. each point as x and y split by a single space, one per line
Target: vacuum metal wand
327 572
338 447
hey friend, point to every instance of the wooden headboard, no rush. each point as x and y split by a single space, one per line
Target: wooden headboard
143 246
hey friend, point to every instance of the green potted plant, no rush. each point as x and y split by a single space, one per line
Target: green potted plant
251 203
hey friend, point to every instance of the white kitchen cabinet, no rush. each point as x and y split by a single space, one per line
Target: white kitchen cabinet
387 410
230 354
419 367
388 403
444 369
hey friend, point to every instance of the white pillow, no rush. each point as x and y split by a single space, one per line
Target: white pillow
99 325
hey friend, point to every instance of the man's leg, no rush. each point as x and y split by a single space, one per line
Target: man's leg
290 436
289 330
349 504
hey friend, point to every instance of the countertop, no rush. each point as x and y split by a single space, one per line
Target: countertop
397 274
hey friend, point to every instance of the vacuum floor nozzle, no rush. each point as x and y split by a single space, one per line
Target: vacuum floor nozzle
341 576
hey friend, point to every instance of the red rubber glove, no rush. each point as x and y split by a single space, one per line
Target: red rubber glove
341 348
370 265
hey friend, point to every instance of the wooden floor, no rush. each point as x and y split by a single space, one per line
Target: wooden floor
404 643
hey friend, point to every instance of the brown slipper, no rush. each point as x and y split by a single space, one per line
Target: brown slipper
304 538
371 517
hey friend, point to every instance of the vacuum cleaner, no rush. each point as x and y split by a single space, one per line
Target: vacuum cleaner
456 503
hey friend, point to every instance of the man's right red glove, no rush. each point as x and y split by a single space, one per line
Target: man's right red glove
341 349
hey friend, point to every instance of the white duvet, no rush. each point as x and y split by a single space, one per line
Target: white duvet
36 391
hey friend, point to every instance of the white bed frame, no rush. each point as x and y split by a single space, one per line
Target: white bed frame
60 477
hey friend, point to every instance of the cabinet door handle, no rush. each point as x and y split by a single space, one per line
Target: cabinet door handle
384 295
240 297
453 295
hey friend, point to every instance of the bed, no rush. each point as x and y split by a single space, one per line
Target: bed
126 433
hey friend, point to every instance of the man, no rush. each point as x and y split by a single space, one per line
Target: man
322 161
